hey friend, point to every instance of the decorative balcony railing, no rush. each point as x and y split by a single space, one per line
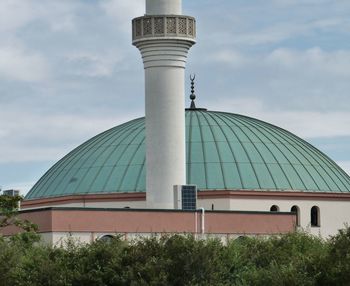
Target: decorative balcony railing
163 26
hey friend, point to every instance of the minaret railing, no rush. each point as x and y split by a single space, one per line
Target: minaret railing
163 26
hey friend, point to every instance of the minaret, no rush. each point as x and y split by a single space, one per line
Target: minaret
164 37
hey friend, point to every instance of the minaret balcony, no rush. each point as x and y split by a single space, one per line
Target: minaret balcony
163 26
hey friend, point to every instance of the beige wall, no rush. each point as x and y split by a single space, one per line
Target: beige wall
333 213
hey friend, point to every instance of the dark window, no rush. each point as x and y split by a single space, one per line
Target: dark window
212 207
295 209
315 216
274 208
107 238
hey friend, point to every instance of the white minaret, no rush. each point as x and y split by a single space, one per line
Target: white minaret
164 37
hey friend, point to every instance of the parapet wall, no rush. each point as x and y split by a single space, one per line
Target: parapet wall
123 221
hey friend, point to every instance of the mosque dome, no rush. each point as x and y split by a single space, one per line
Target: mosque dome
224 151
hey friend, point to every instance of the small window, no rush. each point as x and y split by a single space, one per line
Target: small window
212 207
106 238
274 208
296 210
315 216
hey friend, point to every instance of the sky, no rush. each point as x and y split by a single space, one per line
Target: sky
68 71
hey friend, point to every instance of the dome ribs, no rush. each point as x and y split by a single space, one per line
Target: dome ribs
224 151
139 128
247 124
126 133
232 152
131 159
283 155
189 148
204 155
321 156
204 114
245 150
52 181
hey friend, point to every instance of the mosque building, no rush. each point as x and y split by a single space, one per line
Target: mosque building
187 170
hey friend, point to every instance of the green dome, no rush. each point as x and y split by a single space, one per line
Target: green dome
225 151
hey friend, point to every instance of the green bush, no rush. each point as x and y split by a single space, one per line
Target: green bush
292 259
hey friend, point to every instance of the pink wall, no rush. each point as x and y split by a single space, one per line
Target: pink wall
145 221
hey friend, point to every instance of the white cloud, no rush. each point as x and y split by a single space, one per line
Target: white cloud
229 57
94 65
306 124
122 11
18 64
252 24
300 2
313 61
345 165
15 14
35 137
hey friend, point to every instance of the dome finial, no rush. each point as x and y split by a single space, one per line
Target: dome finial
193 95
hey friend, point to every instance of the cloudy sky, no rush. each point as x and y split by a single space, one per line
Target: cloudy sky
68 71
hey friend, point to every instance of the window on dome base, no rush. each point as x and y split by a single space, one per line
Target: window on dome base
296 210
315 216
107 238
274 208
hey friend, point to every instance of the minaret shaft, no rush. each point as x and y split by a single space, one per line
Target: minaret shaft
164 38
165 133
163 7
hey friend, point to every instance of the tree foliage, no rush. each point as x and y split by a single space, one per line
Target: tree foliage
292 259
9 214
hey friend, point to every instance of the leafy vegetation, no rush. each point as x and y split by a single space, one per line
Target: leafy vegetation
9 214
293 259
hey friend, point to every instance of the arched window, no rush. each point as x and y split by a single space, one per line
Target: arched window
296 210
212 207
315 216
106 238
274 208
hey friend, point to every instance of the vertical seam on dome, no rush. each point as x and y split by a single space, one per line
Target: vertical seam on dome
245 150
331 164
267 130
49 178
232 151
189 172
84 176
86 150
233 155
305 150
139 174
323 157
246 122
217 149
203 151
77 152
129 133
132 157
328 161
